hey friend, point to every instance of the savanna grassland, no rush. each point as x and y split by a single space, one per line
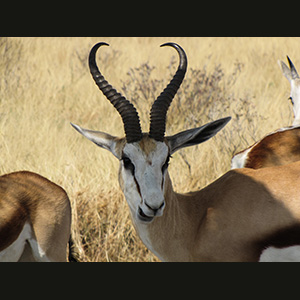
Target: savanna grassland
45 84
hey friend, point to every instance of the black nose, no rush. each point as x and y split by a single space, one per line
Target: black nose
155 209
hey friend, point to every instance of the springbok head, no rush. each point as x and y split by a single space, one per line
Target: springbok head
292 76
144 157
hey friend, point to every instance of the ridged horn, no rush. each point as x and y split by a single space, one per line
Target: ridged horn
293 69
161 105
126 109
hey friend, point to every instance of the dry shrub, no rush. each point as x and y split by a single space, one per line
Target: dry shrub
203 97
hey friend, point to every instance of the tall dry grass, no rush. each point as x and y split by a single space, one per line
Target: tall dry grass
45 84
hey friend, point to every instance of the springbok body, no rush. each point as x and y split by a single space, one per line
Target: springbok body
279 147
35 219
233 219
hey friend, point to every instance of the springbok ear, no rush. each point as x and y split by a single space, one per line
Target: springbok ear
196 136
101 139
285 70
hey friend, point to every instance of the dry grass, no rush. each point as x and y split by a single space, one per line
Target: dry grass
45 84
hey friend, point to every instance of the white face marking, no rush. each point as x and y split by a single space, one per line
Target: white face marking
143 186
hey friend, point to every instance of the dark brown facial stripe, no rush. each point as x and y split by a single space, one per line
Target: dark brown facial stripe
137 186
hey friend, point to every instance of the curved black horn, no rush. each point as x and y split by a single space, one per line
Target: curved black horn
160 107
126 109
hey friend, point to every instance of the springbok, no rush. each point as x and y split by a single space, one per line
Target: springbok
281 146
35 219
233 219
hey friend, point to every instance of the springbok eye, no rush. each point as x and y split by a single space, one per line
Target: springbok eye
166 164
128 165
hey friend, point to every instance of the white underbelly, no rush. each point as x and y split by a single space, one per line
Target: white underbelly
14 252
289 254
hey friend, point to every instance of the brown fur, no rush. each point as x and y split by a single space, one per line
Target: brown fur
147 145
25 196
276 149
232 219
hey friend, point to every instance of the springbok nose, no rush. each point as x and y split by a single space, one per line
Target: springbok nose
155 209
